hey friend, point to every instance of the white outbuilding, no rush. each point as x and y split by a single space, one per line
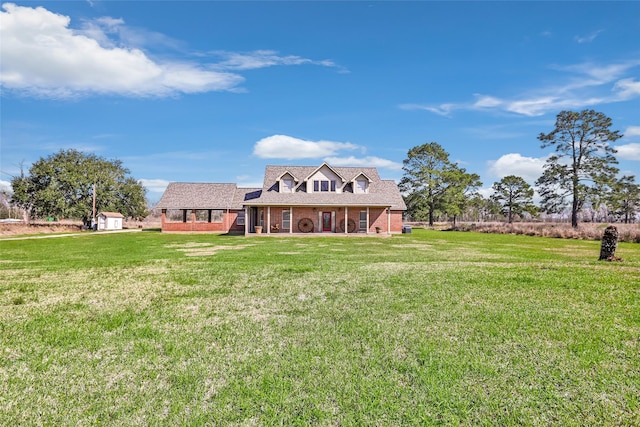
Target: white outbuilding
110 221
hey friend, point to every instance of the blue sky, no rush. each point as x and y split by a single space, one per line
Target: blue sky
209 91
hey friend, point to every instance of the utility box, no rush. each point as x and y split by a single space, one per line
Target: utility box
406 229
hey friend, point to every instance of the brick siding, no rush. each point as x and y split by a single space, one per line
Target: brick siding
191 225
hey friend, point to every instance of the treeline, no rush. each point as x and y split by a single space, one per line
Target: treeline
580 181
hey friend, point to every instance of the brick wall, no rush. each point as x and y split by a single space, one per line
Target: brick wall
191 225
377 218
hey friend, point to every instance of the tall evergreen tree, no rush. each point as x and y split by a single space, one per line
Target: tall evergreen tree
433 184
625 199
514 195
583 159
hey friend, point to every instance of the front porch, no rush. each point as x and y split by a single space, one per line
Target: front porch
305 220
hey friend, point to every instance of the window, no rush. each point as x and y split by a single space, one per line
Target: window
324 186
363 220
202 215
176 215
287 185
361 186
286 220
216 215
240 218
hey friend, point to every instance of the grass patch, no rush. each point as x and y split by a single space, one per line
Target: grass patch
419 329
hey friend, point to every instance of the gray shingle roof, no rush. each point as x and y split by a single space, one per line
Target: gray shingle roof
382 193
191 195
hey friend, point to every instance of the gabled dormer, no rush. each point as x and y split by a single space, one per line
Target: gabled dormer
287 183
360 183
324 179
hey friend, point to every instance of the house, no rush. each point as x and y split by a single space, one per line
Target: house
293 199
110 221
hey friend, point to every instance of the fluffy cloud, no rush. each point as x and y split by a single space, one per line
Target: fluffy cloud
628 151
529 168
632 131
5 186
368 161
103 56
76 63
287 147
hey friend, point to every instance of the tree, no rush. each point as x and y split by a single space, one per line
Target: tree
582 159
20 196
432 183
461 188
514 196
61 185
625 198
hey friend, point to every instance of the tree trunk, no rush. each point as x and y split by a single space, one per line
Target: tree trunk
574 205
609 244
430 214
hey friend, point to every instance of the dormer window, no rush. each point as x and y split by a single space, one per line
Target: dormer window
362 186
287 185
324 186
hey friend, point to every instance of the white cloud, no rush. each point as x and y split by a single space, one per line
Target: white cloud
632 131
250 184
6 186
588 38
487 102
287 147
486 192
442 109
585 85
262 59
628 151
80 63
368 161
529 168
245 181
627 88
155 185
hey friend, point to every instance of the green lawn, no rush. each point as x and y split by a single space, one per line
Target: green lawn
419 329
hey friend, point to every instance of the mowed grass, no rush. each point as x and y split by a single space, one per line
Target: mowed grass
420 329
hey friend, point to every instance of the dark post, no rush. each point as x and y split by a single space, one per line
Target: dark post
609 244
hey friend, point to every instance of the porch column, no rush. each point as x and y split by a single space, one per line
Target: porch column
290 219
268 224
368 224
388 220
346 220
247 220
